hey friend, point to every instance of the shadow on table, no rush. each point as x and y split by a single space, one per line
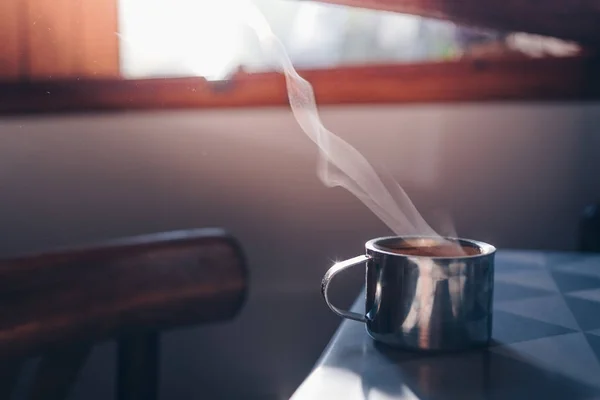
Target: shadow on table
482 374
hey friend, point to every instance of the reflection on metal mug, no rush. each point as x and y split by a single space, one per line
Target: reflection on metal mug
424 293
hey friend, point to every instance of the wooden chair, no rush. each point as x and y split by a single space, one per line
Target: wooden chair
59 304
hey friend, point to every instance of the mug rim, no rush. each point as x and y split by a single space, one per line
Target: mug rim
485 248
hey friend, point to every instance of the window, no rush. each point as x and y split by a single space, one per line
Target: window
202 38
115 54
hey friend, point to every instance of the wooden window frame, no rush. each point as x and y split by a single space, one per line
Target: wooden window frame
28 84
562 79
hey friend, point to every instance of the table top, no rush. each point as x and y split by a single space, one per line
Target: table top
546 345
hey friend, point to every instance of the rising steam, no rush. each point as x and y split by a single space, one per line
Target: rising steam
340 164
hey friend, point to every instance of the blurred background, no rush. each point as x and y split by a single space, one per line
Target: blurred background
514 173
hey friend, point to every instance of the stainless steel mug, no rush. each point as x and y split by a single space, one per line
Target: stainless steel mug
422 300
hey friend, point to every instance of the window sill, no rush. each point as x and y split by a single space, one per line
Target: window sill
544 79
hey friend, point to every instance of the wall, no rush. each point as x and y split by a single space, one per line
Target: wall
515 175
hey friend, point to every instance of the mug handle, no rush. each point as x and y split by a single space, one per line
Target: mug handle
333 271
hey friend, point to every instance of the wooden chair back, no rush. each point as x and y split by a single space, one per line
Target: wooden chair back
58 304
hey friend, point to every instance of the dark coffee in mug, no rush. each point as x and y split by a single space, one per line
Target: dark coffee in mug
428 247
